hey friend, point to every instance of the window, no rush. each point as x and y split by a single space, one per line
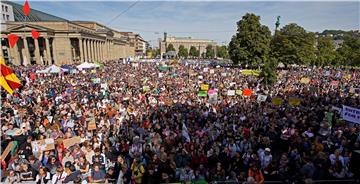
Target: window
6 9
2 6
4 17
7 17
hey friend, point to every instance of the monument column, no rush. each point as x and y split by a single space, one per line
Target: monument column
37 52
81 50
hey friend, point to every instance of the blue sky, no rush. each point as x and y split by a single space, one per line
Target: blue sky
210 20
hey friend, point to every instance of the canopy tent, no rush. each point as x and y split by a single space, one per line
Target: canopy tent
99 64
52 69
87 65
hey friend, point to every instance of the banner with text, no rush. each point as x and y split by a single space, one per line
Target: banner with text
350 114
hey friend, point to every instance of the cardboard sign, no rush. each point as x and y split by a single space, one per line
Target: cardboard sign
247 92
239 92
261 98
276 101
212 71
92 125
204 87
305 80
42 145
231 93
71 141
211 91
202 93
250 72
294 101
7 150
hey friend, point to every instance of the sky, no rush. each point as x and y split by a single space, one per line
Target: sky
204 19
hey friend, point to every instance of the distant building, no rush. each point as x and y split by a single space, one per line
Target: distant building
187 42
61 41
140 46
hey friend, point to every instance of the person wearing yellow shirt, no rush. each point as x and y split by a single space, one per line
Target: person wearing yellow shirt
137 171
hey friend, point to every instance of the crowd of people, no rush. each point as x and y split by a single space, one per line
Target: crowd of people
152 126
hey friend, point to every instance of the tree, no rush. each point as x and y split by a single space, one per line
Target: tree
222 52
183 52
349 52
325 53
210 52
251 44
193 52
293 45
268 72
170 47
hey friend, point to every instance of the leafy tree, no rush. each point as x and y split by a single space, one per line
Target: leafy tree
183 52
170 47
326 53
268 72
251 44
193 52
349 53
293 45
210 52
222 52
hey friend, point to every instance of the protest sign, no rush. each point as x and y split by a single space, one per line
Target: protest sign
104 86
95 80
250 72
71 141
161 75
223 74
238 92
146 88
305 80
213 98
211 91
7 150
247 92
212 71
261 98
230 92
204 87
93 71
92 125
200 77
294 101
202 93
334 83
206 70
350 114
42 145
276 101
327 73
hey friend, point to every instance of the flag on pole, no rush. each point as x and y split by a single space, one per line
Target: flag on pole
8 80
185 133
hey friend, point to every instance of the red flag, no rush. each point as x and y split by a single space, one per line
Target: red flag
35 34
26 8
13 38
247 92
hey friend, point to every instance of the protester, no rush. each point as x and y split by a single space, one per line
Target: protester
148 123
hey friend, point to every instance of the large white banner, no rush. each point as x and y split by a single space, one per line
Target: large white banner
350 114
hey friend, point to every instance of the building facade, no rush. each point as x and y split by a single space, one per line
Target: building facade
61 41
187 42
140 46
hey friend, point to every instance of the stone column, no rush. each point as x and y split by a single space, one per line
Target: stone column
88 50
81 50
48 52
14 55
96 50
37 52
26 52
86 58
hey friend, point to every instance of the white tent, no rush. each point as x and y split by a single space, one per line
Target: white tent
52 69
87 65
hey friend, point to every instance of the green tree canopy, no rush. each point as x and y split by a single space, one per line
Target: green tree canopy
222 52
293 45
210 52
170 47
325 53
193 52
183 52
349 53
251 44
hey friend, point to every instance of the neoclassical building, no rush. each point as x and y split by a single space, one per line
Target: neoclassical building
187 42
61 41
